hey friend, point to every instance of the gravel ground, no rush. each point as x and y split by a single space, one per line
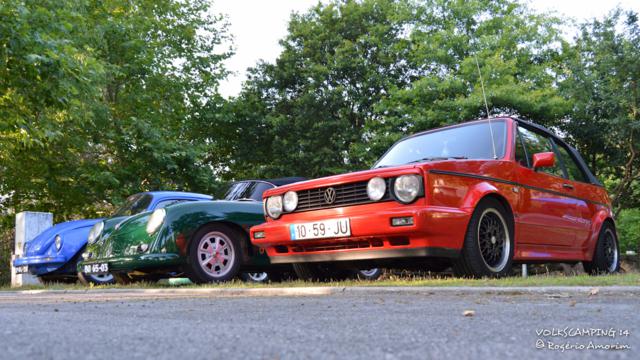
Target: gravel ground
363 324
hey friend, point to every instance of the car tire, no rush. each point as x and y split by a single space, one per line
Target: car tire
214 254
319 272
488 246
368 274
606 256
262 277
88 279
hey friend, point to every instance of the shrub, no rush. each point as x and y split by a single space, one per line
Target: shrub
628 226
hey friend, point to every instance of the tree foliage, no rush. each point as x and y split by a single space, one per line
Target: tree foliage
102 99
603 85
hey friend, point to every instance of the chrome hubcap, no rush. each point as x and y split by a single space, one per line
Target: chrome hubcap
102 278
370 272
493 240
258 277
215 254
610 250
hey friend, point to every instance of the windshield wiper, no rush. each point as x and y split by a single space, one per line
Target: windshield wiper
436 158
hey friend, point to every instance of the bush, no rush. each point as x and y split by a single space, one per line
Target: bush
628 226
6 248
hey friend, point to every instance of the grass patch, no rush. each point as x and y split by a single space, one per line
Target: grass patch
630 279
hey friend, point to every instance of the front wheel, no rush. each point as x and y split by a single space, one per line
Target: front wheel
488 245
102 279
214 254
606 259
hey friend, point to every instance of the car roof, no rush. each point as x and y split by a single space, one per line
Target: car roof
592 179
285 180
276 182
177 194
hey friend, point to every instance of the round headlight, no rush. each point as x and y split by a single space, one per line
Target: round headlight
407 187
274 206
376 188
95 232
290 201
58 242
155 220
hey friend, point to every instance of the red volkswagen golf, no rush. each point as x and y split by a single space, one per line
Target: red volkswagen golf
478 196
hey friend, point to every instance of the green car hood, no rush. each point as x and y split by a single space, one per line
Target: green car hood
130 237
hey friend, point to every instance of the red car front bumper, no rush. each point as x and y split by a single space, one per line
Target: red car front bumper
436 231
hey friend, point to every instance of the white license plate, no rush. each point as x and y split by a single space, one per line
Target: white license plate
22 269
320 229
95 268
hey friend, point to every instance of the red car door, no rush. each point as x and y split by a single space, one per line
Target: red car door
578 188
546 215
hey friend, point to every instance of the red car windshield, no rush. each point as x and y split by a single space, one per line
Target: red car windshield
471 141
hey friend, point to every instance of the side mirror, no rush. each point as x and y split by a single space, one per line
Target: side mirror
544 159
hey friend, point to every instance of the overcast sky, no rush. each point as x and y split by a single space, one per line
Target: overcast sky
257 25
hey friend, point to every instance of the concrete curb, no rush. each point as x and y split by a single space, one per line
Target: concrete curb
169 293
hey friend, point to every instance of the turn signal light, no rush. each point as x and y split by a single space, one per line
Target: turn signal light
402 221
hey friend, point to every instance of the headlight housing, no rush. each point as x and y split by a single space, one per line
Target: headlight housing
155 220
274 206
58 242
95 232
290 201
376 188
406 188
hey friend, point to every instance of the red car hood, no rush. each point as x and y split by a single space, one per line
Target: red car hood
349 178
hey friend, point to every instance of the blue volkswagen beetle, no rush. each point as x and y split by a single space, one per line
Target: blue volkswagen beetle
53 255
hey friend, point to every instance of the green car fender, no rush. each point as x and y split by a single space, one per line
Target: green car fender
182 221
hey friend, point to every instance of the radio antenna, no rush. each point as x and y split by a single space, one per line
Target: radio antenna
486 106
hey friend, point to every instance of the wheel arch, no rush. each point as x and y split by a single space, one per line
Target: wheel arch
601 218
485 190
505 204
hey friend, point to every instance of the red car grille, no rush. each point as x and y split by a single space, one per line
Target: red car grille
338 246
345 195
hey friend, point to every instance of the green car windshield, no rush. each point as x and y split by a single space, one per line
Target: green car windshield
247 190
134 204
472 141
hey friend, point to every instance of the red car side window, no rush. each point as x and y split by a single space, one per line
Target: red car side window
535 143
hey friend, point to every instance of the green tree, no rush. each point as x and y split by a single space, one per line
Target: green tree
355 76
603 85
102 99
301 115
516 51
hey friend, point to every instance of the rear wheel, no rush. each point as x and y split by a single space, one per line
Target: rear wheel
214 254
606 259
369 274
255 277
488 246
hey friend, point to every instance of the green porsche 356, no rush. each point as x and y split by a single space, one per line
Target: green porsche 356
208 241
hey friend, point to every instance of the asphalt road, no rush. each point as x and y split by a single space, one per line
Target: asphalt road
319 324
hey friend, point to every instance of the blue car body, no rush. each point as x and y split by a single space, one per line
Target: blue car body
42 257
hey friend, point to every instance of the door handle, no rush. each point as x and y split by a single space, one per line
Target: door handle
567 186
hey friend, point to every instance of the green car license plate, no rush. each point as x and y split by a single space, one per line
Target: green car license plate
101 268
